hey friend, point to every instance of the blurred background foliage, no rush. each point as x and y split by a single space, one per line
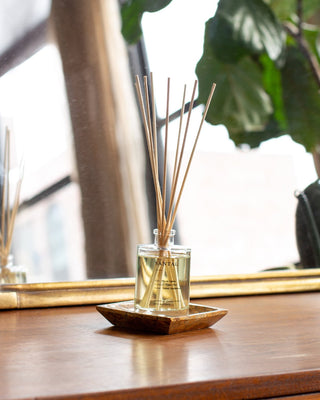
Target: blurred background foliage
264 57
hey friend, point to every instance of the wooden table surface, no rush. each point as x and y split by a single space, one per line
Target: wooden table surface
266 346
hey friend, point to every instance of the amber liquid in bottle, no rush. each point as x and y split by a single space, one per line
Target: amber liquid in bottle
163 277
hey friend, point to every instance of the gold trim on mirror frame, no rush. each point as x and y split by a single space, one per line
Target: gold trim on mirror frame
36 295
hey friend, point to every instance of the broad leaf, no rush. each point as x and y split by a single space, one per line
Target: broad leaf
310 8
131 14
245 26
273 86
285 9
240 102
301 100
254 139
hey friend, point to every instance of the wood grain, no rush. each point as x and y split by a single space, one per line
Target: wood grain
124 315
266 346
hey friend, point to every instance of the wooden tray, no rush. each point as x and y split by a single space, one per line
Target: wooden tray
125 315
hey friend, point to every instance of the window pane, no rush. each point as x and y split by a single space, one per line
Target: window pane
238 208
33 104
48 236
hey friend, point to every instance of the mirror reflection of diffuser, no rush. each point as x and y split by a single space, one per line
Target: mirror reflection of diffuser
9 197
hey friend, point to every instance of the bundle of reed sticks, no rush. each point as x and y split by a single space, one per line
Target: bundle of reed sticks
166 213
162 284
8 214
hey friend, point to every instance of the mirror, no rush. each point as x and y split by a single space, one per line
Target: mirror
238 209
33 102
73 114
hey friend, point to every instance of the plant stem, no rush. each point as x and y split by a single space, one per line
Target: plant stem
295 32
300 18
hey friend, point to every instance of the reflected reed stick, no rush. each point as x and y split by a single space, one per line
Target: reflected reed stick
8 215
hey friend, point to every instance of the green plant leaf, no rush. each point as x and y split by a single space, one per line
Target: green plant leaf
310 7
286 9
131 14
301 100
313 39
283 9
254 139
240 102
245 26
273 86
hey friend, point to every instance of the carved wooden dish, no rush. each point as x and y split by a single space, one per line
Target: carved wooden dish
124 315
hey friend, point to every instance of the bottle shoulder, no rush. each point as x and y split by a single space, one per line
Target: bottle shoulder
154 250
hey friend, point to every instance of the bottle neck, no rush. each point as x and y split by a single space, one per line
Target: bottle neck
164 240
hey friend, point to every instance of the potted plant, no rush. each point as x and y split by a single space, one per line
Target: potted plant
264 57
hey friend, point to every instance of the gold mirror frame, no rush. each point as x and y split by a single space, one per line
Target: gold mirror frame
36 295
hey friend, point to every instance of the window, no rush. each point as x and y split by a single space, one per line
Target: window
238 208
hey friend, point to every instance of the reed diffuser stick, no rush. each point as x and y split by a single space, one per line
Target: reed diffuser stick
7 177
8 215
179 134
164 187
174 188
154 125
13 217
152 157
4 191
155 143
171 222
175 167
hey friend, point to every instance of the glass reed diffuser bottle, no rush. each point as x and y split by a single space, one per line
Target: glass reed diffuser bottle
10 273
163 269
163 275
